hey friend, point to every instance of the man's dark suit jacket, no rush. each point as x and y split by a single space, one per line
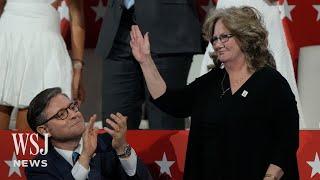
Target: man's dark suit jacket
173 25
104 165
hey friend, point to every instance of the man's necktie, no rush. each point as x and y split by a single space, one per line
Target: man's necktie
75 157
128 3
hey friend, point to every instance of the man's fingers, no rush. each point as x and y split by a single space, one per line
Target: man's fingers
120 119
116 118
91 121
113 125
123 119
109 131
95 132
119 115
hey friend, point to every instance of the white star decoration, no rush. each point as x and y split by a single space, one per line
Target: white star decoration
13 168
286 9
315 165
317 7
64 11
165 165
100 10
208 6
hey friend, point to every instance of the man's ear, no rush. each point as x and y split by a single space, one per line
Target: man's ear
42 129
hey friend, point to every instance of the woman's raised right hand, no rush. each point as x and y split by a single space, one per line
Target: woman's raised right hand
139 44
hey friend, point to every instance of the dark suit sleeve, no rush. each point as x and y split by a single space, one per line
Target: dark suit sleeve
142 172
45 173
285 128
112 167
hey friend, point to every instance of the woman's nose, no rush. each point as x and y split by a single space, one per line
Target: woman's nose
218 45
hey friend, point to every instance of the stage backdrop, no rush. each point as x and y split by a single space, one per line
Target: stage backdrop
301 21
162 151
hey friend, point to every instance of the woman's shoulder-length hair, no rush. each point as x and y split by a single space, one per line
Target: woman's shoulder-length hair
246 25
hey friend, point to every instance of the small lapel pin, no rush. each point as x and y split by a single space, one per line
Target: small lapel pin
244 93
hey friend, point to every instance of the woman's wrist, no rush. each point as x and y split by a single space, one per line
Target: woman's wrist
147 62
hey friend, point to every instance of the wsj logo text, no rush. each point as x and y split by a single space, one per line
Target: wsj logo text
21 140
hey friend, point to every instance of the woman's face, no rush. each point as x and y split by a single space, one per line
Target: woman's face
225 44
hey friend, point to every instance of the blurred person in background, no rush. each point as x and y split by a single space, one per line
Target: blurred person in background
176 36
33 54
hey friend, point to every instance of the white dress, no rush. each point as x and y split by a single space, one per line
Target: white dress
277 42
33 54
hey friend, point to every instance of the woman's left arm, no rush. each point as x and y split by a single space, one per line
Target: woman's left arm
77 46
285 132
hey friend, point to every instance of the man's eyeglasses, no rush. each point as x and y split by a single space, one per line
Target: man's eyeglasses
223 38
63 113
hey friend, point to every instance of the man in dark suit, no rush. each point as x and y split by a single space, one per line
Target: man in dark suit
175 35
76 151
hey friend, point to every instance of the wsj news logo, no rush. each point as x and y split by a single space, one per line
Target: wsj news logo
21 140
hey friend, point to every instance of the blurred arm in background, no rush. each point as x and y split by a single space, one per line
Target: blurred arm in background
2 3
77 47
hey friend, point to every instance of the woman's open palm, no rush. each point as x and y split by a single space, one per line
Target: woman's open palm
139 44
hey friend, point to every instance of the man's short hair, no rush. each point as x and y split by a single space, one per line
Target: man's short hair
36 116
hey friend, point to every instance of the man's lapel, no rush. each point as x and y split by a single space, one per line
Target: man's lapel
95 167
60 163
97 161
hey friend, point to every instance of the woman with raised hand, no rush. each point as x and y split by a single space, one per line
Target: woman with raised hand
245 122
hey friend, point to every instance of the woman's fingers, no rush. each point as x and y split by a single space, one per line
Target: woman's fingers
146 38
134 32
